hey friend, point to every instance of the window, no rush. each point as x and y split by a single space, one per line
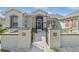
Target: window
25 23
14 21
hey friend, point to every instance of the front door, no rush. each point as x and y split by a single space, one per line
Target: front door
39 23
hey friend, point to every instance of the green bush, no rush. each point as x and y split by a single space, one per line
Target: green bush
34 30
3 30
55 49
3 50
33 33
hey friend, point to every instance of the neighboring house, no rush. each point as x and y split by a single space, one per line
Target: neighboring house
71 21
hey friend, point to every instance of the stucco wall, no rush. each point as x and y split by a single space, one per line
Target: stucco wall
34 22
15 41
24 39
9 42
12 42
29 21
54 39
69 40
63 39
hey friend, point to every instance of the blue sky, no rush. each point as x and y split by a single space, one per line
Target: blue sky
50 10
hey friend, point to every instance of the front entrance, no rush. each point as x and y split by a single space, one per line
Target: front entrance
39 23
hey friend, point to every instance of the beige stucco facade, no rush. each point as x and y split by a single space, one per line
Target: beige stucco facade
40 20
13 12
37 19
30 19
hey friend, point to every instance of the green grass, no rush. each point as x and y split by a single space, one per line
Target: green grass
3 50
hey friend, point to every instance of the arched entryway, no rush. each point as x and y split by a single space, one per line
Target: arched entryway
39 22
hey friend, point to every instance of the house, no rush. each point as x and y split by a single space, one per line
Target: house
58 31
37 19
71 21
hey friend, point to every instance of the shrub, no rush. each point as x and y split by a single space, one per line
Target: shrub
3 50
34 30
3 30
55 49
33 33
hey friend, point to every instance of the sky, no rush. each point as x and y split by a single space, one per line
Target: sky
51 10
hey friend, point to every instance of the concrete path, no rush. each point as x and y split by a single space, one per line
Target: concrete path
39 35
39 45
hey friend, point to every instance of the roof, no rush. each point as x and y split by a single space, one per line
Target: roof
74 14
50 15
13 9
40 10
55 16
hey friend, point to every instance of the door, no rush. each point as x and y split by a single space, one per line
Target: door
39 23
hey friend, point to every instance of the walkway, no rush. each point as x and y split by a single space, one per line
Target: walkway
39 35
40 45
